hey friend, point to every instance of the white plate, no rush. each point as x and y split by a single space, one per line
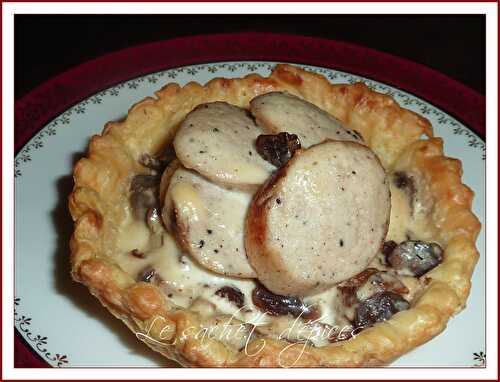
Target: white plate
67 327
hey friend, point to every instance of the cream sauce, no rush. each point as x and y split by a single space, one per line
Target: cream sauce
409 220
188 285
185 283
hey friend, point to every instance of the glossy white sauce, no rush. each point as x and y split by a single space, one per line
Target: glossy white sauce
189 285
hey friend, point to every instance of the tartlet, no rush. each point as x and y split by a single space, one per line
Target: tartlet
110 242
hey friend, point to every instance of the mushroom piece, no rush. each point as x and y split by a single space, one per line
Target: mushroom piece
405 182
144 188
368 283
278 305
158 163
380 282
232 294
415 258
144 194
349 287
379 307
277 149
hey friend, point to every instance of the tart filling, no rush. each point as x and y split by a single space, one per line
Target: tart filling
142 244
194 250
385 287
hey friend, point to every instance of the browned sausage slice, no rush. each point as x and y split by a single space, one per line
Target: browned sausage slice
283 112
319 220
208 221
218 141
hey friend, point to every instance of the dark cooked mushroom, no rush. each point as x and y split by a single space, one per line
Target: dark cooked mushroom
278 305
144 194
361 278
379 307
143 182
349 287
405 182
378 283
144 188
415 258
277 149
138 254
388 247
232 294
385 281
158 163
368 283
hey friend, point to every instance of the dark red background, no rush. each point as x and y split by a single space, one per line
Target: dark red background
53 97
50 44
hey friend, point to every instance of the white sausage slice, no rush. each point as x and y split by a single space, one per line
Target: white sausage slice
319 220
280 112
218 141
208 222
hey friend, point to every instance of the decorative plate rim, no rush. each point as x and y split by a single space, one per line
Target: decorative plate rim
59 93
403 97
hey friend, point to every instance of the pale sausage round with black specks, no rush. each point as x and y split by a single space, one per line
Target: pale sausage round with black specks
208 222
218 141
280 112
319 220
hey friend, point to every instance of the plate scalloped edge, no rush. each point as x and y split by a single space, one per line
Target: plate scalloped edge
405 99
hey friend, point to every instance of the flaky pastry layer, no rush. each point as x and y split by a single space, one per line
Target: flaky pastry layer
99 205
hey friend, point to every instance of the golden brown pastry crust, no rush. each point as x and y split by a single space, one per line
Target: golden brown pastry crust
99 204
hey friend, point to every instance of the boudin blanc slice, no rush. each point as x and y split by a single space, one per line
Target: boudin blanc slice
218 141
319 220
208 222
166 176
278 112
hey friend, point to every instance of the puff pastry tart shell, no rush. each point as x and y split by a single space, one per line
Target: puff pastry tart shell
403 141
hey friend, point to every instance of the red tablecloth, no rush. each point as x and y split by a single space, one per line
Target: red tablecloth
53 97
